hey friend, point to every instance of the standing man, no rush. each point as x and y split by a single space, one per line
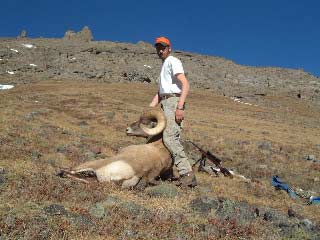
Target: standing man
173 91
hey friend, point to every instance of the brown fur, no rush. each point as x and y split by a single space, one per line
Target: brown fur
132 163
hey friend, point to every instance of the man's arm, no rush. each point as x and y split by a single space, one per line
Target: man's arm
185 89
155 101
184 93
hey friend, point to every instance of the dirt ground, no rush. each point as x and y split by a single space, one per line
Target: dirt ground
48 125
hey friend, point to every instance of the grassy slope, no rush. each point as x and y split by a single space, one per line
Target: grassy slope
47 125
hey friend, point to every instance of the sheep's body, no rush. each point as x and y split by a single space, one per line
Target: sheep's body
131 164
134 162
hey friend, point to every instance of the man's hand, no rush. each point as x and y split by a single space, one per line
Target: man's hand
179 115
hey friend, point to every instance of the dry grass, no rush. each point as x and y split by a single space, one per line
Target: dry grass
44 126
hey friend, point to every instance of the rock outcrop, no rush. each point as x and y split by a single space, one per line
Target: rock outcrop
23 34
84 35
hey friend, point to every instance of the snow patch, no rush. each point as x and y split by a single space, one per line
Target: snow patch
14 50
32 65
4 87
27 45
235 99
10 72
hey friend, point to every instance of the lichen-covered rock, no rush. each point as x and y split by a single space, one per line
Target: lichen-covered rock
97 210
55 209
204 205
163 190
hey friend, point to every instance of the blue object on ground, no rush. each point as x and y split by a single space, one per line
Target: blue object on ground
314 200
279 184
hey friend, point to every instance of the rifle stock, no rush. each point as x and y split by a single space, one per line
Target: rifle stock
215 160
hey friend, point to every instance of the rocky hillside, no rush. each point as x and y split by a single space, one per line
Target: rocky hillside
78 57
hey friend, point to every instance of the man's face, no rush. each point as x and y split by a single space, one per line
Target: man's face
163 51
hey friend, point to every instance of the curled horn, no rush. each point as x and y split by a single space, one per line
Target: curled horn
157 115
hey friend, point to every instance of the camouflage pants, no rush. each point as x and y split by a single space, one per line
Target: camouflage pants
171 136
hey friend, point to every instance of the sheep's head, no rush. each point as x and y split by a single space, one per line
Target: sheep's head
151 122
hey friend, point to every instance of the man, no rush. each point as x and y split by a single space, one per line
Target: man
173 91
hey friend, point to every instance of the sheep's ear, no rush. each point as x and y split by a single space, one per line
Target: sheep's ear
153 124
145 121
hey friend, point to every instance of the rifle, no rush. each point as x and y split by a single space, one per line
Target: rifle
214 159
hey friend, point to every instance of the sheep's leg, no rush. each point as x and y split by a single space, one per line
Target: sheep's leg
67 174
142 184
153 177
90 165
131 182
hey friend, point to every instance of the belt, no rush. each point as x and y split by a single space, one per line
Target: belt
169 95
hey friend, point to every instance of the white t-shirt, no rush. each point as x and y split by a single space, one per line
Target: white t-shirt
168 81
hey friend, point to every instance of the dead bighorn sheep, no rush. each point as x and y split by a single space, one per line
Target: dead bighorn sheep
133 163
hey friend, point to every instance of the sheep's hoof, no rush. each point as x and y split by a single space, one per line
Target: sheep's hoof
154 182
63 173
67 174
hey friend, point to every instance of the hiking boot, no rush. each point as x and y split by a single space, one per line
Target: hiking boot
187 180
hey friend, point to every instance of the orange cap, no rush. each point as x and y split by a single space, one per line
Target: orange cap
163 41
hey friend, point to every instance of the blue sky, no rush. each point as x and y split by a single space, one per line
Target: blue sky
278 33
